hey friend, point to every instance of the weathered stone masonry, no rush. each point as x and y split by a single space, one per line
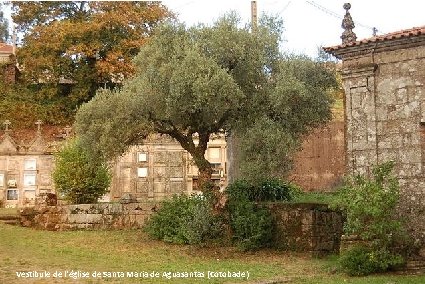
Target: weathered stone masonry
384 83
300 227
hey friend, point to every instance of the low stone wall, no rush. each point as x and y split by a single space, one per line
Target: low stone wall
307 227
300 227
88 216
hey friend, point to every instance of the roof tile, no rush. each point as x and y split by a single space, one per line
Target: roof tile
6 48
394 35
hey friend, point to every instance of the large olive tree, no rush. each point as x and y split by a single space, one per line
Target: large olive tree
191 83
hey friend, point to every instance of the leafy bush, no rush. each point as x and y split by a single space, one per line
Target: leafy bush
265 190
253 226
362 260
185 219
370 208
78 178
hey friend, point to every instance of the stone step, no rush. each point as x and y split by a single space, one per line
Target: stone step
9 217
413 267
10 222
415 264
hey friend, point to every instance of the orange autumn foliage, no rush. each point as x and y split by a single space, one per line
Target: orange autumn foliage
82 44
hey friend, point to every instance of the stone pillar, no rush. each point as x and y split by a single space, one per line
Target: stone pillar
360 111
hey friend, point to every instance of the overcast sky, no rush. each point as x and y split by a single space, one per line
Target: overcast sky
311 23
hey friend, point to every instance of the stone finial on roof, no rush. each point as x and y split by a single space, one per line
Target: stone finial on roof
348 25
38 123
6 125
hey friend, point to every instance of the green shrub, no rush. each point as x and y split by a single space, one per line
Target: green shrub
252 225
263 191
362 260
78 178
185 220
370 208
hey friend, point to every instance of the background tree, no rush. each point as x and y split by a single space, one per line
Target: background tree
78 178
4 25
191 83
20 105
73 47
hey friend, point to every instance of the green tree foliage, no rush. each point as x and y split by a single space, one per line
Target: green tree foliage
299 101
70 48
78 178
21 105
191 83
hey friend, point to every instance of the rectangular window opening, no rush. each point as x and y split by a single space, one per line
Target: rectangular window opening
142 172
12 194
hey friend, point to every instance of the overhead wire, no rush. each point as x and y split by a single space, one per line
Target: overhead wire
336 15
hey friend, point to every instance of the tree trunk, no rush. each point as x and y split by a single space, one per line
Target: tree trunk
206 185
205 172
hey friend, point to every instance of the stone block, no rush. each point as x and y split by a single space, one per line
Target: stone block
142 187
177 187
159 187
77 218
175 172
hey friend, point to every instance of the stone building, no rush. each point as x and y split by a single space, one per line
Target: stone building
384 82
161 167
157 169
25 169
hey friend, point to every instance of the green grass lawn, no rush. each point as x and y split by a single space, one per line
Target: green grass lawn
122 252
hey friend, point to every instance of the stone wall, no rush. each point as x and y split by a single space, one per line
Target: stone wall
307 227
87 216
385 109
320 164
300 227
25 169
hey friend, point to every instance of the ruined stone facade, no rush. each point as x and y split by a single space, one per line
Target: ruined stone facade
384 83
